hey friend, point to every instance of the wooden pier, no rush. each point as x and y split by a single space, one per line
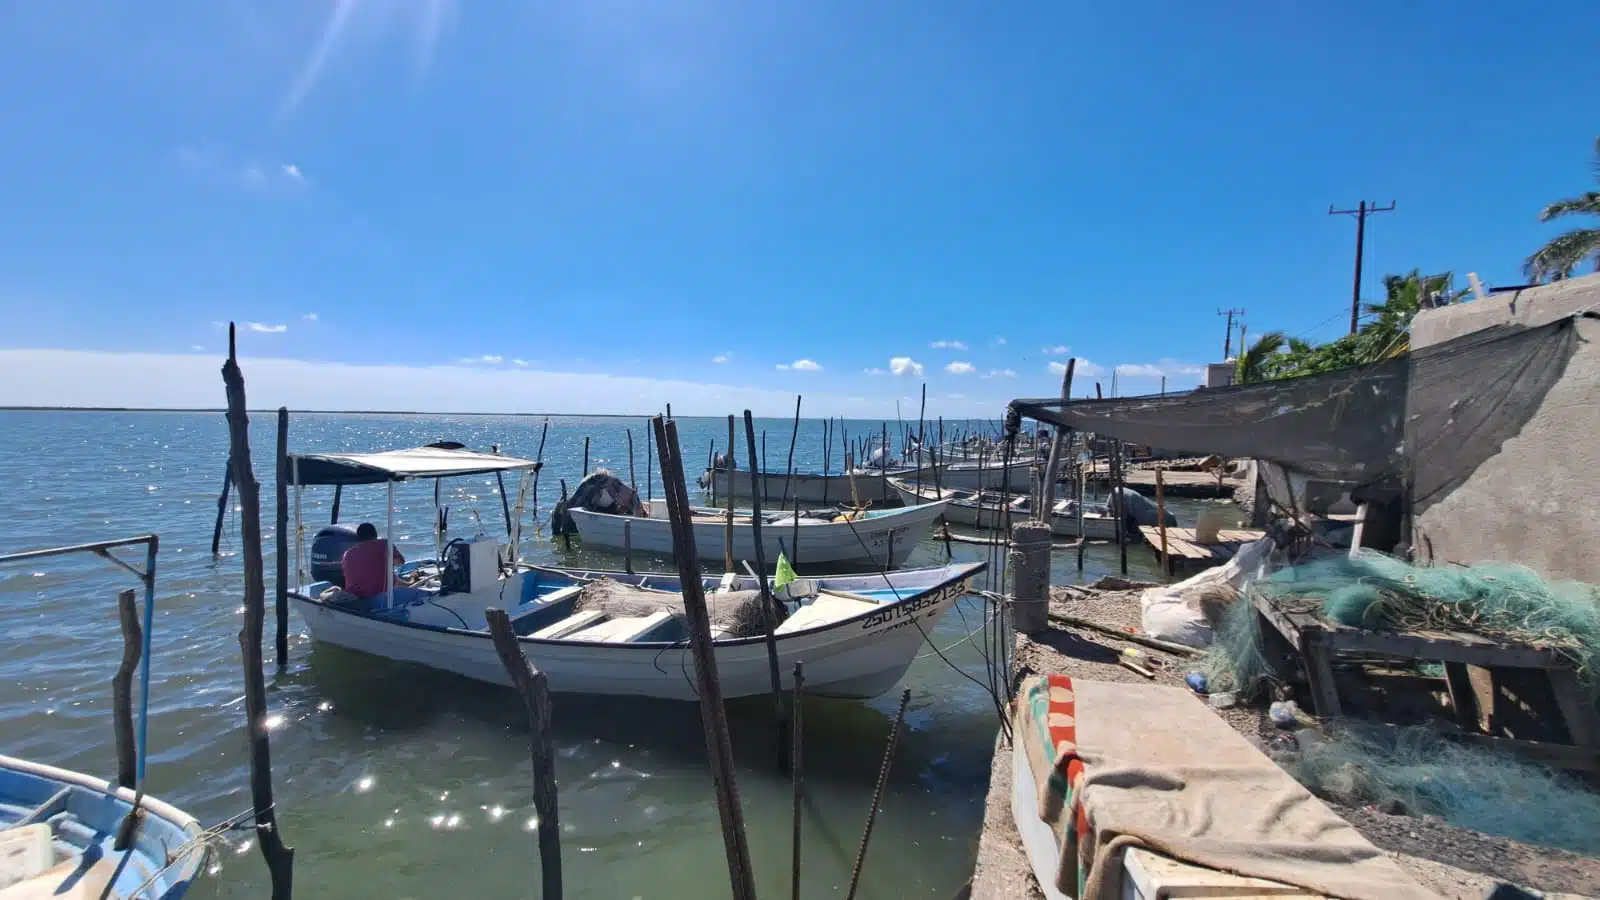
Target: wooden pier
1186 553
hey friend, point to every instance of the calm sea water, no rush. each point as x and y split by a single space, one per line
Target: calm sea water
396 781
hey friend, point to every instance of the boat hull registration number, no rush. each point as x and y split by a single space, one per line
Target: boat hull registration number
903 613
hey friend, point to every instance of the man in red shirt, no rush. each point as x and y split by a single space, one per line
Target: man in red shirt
364 564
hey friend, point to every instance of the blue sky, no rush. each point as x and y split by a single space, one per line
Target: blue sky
684 198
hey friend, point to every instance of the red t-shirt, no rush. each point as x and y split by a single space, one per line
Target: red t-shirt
364 567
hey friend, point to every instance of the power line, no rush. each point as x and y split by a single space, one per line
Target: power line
1227 342
1362 210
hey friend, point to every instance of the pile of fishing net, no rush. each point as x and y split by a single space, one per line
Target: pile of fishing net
1466 786
1502 601
1372 590
736 613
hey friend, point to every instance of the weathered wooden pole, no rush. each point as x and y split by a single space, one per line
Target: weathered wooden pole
222 510
794 435
585 457
713 717
1121 503
827 461
883 469
543 433
281 588
122 690
649 466
338 494
727 538
633 477
877 793
1052 468
1161 517
565 517
534 688
797 779
769 608
280 858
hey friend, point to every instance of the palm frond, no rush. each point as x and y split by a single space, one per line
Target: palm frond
1582 205
1562 255
1252 362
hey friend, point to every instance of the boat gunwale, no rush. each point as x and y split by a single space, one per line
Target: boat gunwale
962 572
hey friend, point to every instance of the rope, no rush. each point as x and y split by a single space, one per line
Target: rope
203 841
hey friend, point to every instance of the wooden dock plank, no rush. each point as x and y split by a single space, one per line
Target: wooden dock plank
1185 550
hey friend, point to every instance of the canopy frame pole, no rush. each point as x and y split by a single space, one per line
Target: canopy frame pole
388 540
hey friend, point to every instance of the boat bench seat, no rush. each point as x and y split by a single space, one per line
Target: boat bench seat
623 629
825 610
572 623
539 614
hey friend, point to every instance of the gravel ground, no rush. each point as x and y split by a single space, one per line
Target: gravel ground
1452 861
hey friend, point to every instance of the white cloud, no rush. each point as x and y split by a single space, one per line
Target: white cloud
722 357
488 359
955 396
960 368
197 348
190 381
947 345
292 172
1083 367
219 165
999 342
905 365
519 362
262 328
1057 350
1166 368
874 371
800 365
1000 373
309 317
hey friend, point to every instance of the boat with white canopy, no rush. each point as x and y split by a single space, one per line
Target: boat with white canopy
604 632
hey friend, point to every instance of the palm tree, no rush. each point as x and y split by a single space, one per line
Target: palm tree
1252 365
1566 252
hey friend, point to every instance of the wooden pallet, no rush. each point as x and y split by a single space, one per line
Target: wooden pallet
1468 659
1185 553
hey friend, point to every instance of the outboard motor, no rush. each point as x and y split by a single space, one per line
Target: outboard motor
327 552
1140 510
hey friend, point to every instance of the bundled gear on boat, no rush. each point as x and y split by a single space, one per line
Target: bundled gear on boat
1138 509
600 492
734 613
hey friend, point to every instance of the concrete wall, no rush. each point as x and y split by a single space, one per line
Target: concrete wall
1537 502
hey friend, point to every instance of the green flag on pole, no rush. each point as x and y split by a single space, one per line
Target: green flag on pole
785 573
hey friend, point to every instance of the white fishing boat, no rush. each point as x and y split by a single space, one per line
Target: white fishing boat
856 634
871 538
867 485
992 509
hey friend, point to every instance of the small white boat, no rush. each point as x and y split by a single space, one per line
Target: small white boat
989 509
873 538
856 634
867 485
58 838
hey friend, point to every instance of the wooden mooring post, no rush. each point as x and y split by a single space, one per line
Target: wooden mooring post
534 689
280 858
280 590
797 780
769 607
122 690
755 488
712 715
222 510
794 436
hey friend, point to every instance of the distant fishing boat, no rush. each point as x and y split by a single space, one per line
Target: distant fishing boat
873 538
866 485
988 509
58 838
856 634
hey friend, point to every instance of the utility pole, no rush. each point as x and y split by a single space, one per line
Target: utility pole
1362 210
1227 342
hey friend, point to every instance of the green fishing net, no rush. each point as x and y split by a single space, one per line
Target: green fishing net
1497 600
1466 786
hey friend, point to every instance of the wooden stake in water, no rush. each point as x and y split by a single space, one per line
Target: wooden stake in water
633 477
222 510
727 540
534 689
280 858
769 607
281 588
122 690
794 435
712 715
